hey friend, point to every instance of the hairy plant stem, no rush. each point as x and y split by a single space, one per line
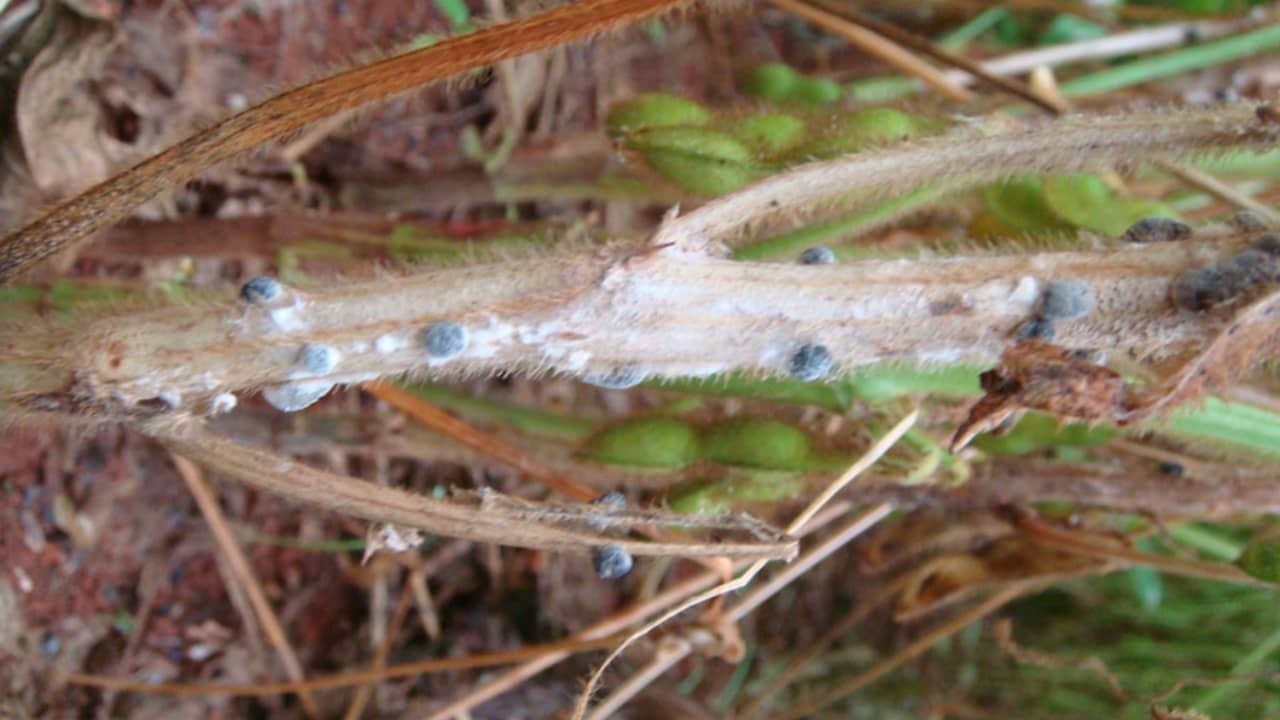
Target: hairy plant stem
660 314
672 309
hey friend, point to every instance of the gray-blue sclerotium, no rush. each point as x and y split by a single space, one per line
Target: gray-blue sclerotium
1065 300
612 562
261 290
613 499
810 362
1034 329
619 378
817 255
445 340
319 359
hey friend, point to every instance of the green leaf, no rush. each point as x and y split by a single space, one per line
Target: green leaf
1019 205
1087 201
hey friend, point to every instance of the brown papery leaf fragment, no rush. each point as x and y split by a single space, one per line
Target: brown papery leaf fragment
1038 375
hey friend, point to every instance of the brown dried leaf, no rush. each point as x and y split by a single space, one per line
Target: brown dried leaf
59 123
1037 375
947 579
1253 334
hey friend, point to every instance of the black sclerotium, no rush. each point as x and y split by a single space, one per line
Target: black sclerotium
1199 289
445 340
817 255
1065 300
1247 221
1268 244
1035 328
1156 229
810 362
261 290
612 562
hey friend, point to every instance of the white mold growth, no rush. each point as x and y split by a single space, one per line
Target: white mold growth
222 403
387 344
298 395
1026 292
288 318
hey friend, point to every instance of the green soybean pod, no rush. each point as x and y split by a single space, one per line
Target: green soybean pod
656 442
758 443
851 133
771 81
814 92
699 497
1261 558
652 110
699 160
769 133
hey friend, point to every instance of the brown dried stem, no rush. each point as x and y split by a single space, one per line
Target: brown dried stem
489 518
235 557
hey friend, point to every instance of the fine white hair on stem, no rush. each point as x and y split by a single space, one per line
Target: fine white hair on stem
869 458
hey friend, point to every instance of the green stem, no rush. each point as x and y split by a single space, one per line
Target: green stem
1217 694
1169 64
528 421
789 245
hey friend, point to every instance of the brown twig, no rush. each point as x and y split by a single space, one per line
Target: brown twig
341 680
488 517
996 601
361 697
235 557
925 47
884 47
1082 543
474 438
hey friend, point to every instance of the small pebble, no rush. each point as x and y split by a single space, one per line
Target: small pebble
1247 221
1156 229
319 359
445 340
1065 300
810 362
818 255
261 290
612 562
1036 328
1168 467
